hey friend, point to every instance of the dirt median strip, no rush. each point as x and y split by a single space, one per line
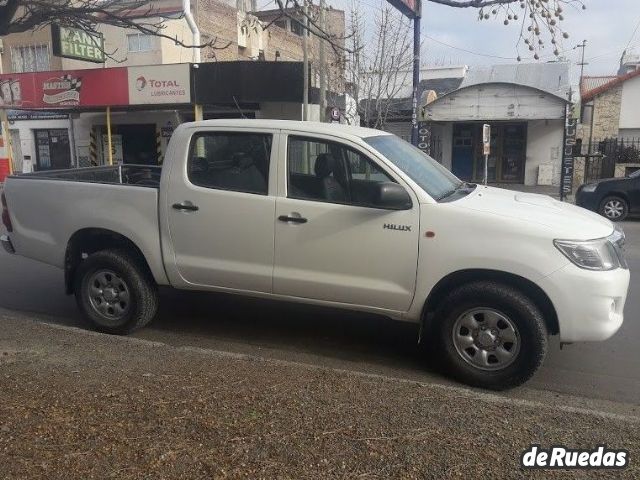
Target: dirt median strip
81 405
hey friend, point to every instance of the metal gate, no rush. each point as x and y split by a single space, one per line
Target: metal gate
598 166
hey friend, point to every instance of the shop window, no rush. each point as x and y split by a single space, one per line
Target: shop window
231 161
30 58
139 42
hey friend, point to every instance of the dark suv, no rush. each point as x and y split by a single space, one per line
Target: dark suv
613 198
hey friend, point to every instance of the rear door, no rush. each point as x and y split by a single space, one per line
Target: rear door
331 244
220 209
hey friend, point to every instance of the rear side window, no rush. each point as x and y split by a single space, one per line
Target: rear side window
230 161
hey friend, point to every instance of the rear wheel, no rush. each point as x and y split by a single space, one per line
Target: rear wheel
114 292
491 335
614 208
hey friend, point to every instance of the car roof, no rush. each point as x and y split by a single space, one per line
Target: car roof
337 129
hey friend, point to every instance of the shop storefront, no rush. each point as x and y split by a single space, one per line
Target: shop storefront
506 162
527 126
127 114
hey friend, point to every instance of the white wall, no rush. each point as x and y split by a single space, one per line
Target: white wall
630 105
544 146
494 102
25 130
447 144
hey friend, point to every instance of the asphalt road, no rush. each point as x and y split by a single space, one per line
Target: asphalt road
608 371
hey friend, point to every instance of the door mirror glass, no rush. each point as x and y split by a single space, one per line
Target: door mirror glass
392 197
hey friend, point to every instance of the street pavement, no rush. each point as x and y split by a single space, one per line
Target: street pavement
606 371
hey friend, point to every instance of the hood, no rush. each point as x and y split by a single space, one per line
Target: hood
607 180
562 219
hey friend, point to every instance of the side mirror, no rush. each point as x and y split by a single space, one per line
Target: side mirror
392 196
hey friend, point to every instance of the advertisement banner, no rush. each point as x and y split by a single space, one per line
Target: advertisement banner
570 129
410 8
76 43
158 84
65 89
116 149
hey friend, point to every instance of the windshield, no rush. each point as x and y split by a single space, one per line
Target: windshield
432 177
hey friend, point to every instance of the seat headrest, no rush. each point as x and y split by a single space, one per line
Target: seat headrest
324 165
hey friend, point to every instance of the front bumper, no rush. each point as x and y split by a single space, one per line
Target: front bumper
6 243
589 304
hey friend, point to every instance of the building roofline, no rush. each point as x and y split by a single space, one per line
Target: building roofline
559 97
591 94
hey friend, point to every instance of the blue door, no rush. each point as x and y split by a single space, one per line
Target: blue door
462 154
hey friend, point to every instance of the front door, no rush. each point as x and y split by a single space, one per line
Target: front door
220 212
331 244
52 149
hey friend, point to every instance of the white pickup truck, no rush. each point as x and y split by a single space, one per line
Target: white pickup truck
329 215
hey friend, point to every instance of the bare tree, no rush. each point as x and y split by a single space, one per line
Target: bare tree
540 20
380 71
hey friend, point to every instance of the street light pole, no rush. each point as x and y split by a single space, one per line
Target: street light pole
305 63
416 74
322 60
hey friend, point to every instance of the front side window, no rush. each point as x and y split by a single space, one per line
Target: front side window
331 172
230 161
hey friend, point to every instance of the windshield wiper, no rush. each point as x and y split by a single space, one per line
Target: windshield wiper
464 187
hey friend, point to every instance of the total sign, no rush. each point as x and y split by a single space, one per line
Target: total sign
159 84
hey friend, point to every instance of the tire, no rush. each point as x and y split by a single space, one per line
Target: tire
506 314
614 208
115 293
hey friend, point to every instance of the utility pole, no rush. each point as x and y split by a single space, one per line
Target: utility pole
322 60
416 73
305 62
583 46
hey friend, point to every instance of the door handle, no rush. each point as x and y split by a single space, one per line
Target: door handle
287 219
186 206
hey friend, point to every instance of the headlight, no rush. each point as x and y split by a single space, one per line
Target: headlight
600 254
589 187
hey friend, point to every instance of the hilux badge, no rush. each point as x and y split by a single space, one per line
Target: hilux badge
400 228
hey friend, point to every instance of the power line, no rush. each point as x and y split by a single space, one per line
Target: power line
488 55
635 30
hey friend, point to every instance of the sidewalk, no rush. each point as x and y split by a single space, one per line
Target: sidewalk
76 404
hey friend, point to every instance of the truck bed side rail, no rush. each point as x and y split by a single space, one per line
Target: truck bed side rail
140 175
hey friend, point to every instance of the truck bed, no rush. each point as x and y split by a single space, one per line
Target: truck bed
48 208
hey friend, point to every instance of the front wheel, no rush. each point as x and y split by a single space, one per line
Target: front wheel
114 292
614 208
491 335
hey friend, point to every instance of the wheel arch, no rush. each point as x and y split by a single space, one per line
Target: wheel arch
90 240
614 193
448 283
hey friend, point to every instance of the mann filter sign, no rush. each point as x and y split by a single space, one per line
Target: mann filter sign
77 44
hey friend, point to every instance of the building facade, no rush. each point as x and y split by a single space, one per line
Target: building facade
525 106
233 32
